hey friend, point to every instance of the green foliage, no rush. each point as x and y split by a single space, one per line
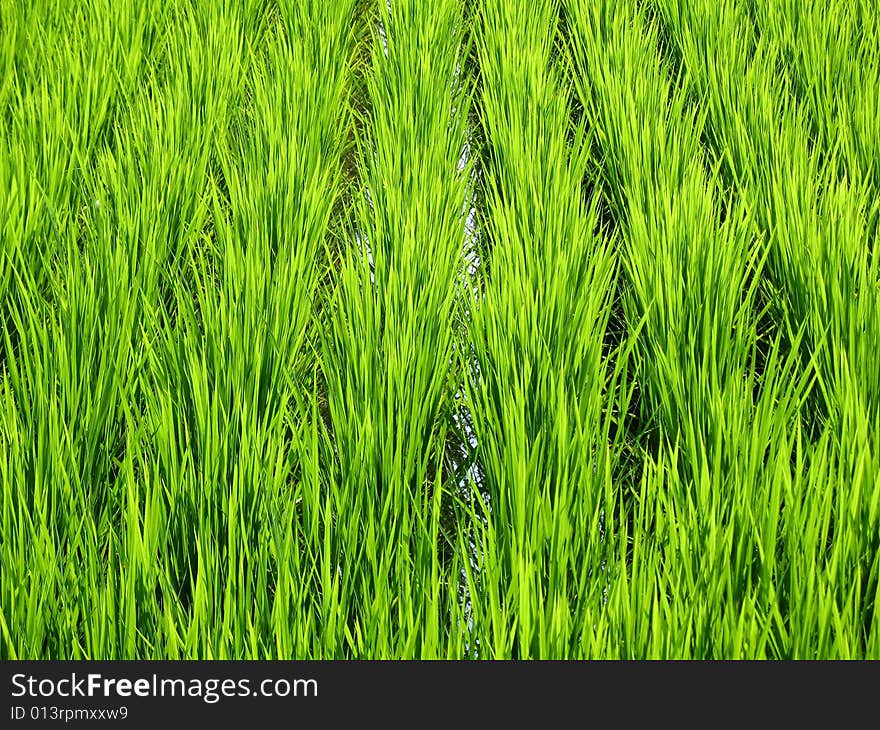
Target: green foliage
439 329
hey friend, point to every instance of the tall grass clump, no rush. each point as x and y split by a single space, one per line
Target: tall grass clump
232 410
388 348
195 354
834 68
69 354
691 266
820 279
540 394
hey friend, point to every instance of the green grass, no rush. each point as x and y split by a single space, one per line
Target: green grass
459 328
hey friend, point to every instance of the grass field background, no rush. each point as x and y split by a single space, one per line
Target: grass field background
439 329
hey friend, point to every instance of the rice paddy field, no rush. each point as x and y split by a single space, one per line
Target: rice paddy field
439 329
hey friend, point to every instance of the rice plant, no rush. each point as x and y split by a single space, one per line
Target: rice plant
439 329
